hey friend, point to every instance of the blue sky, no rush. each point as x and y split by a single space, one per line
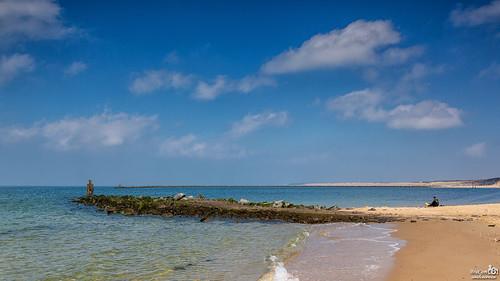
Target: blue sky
248 92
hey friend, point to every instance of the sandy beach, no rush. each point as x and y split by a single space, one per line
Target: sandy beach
441 243
445 250
445 243
489 213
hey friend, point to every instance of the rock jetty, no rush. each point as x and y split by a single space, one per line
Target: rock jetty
204 209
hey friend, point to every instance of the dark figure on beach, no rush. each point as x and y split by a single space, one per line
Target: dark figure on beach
90 188
434 203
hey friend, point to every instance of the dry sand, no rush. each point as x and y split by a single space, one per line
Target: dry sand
445 250
489 213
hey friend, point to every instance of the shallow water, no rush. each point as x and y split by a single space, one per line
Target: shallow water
345 251
44 236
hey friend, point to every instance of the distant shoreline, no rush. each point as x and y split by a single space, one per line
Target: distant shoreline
482 183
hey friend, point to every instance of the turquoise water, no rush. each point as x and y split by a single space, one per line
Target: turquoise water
44 236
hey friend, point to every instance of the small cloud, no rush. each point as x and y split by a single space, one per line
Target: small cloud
103 130
363 104
401 55
489 13
154 80
75 68
492 71
359 43
207 91
187 146
221 85
31 20
476 150
251 123
14 65
190 146
249 83
172 58
425 115
413 80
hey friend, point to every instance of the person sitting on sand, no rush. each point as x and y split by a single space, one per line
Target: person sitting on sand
434 203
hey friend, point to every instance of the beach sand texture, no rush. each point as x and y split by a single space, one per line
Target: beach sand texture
443 243
489 213
445 250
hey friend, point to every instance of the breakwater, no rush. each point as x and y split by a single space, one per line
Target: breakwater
226 208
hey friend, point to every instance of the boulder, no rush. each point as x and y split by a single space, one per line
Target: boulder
278 204
179 196
244 201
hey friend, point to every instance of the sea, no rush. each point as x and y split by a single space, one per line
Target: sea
46 236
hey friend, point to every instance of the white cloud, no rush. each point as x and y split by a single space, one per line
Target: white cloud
401 55
250 83
14 65
363 104
413 81
251 123
492 71
154 80
187 146
206 91
357 44
75 68
221 85
489 13
31 20
190 146
425 115
103 130
476 150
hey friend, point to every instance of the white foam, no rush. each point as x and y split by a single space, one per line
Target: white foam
280 272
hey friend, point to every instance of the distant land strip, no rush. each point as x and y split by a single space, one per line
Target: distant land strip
481 183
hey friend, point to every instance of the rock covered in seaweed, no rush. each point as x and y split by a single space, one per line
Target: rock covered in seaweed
224 208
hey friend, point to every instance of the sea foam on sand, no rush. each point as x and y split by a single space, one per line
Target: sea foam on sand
341 251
